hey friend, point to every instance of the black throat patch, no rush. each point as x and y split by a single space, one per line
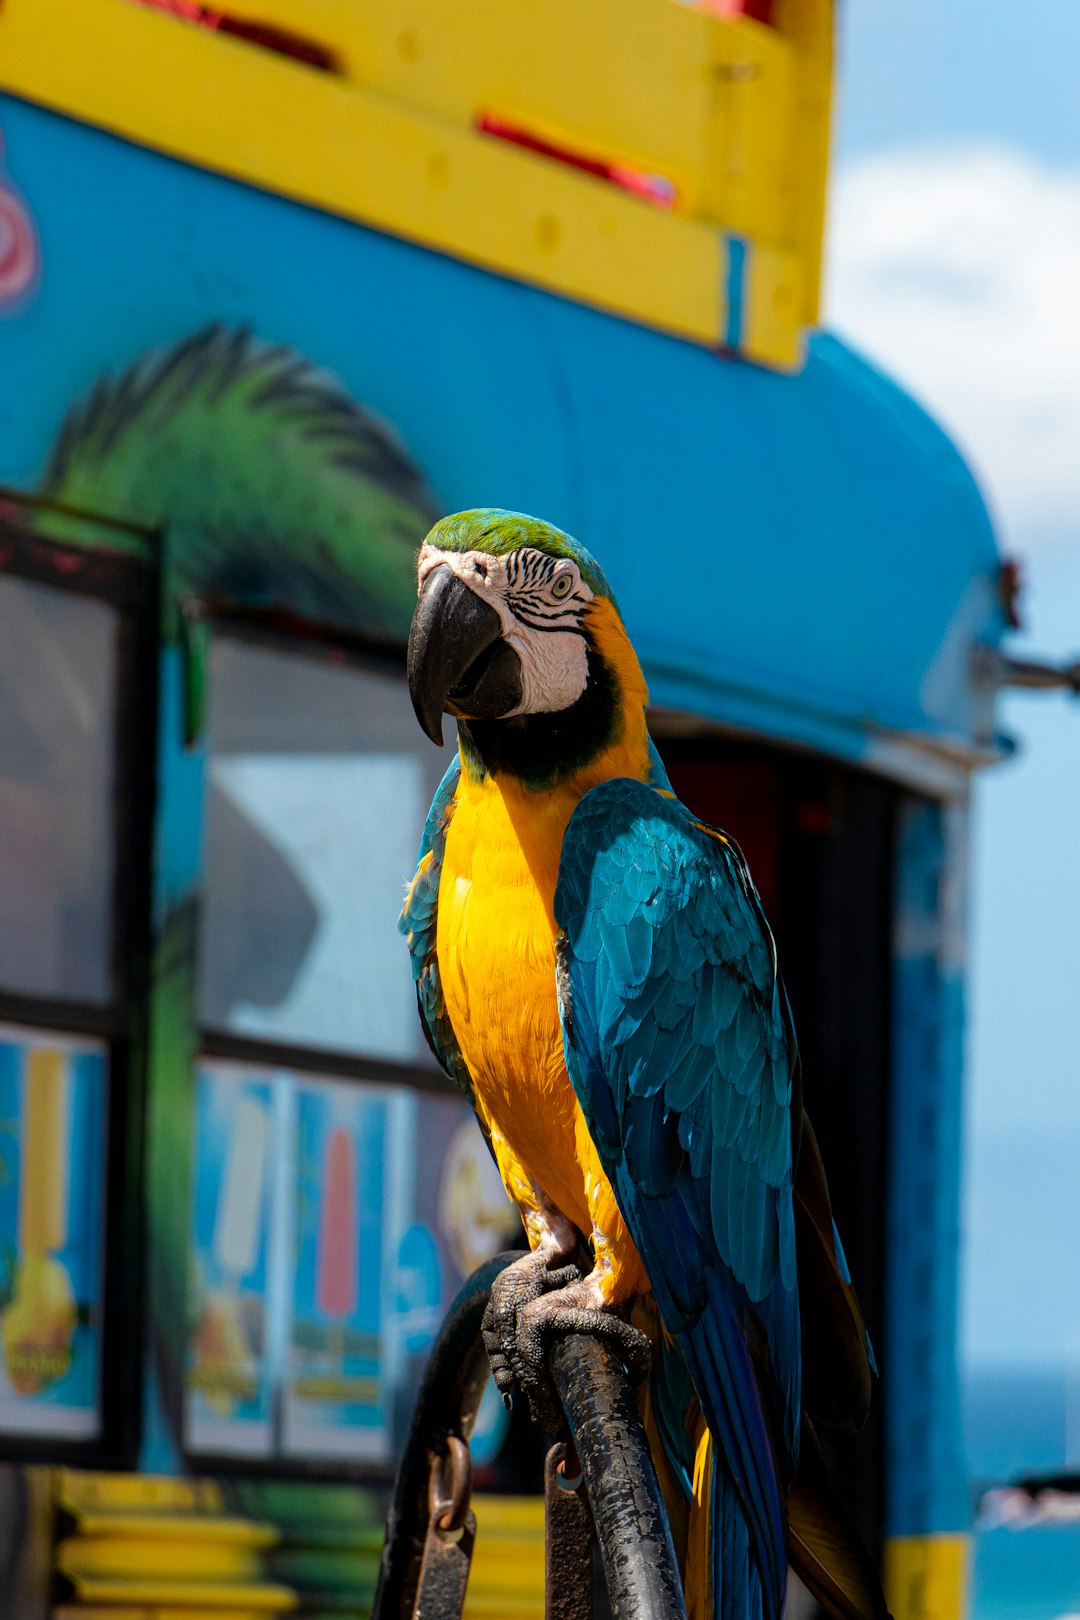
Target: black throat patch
542 750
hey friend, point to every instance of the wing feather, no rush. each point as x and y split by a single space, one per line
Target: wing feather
681 1056
419 924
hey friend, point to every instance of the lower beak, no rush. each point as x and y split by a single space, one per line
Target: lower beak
456 654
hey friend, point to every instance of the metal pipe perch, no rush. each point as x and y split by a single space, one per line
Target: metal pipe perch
430 1529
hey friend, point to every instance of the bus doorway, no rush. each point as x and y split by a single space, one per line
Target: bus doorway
819 839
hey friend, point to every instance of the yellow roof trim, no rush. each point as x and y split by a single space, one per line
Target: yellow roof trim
394 144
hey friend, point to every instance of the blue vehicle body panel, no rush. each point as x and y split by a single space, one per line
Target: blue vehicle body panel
806 556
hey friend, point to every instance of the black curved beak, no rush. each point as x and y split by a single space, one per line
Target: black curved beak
457 656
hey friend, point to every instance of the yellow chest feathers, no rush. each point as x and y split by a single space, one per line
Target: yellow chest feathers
496 947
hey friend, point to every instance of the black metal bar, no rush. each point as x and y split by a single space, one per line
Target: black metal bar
568 1539
1038 676
636 1549
233 1048
449 1397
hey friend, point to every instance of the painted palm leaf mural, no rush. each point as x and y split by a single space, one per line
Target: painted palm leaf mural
274 486
268 488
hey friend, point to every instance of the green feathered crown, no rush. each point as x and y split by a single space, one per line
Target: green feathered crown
490 529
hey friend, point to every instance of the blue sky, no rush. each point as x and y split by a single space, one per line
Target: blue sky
947 70
955 260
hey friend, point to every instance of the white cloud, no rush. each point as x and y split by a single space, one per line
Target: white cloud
959 270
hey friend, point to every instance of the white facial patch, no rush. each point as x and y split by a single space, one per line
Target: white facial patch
541 602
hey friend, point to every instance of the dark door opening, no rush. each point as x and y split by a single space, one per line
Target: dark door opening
818 838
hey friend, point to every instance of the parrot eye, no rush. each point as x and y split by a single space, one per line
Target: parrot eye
562 586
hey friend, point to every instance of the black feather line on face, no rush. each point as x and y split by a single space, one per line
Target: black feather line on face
541 750
541 615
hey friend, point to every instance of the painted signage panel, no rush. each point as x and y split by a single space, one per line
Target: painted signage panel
228 1390
52 1151
335 1397
332 1223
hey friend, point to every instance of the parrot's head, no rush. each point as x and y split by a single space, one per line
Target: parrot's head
517 635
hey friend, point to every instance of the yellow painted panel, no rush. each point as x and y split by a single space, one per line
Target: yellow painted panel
926 1577
636 80
733 112
178 1527
136 1558
748 178
809 24
507 1579
511 1579
518 1516
771 301
479 1606
78 1491
83 1611
221 104
194 1595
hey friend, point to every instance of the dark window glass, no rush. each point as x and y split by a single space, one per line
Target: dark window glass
318 784
58 656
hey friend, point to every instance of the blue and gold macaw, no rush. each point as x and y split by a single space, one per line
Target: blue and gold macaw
594 969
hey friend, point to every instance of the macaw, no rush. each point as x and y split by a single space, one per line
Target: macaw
594 969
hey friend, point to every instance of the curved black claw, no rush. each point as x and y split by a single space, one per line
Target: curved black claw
515 1288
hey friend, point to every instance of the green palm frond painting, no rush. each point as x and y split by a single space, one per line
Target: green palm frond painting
275 487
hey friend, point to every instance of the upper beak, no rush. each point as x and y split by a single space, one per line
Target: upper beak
451 629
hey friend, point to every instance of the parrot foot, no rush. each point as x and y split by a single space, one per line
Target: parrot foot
520 1285
574 1308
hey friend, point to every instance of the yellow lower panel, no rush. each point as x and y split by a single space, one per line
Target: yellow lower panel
520 1516
129 1558
926 1577
218 1596
507 1578
160 1527
772 300
95 1611
494 1607
134 1493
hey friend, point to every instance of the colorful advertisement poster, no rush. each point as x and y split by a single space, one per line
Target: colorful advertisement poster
335 1402
332 1223
52 1165
229 1397
446 1213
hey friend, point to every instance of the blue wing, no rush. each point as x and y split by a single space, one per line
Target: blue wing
680 1051
419 921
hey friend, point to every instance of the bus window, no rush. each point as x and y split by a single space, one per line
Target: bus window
319 782
58 671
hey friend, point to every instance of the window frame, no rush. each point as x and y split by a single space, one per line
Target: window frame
128 580
274 630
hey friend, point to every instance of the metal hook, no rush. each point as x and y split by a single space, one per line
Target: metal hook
449 1486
